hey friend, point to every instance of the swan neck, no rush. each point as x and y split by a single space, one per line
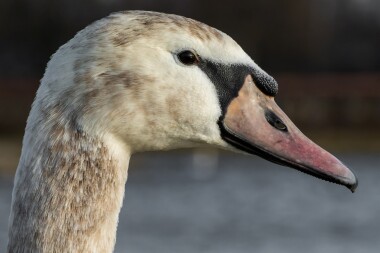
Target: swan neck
68 191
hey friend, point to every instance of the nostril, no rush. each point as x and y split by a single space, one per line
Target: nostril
275 121
279 125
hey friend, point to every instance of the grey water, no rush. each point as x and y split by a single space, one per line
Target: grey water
220 202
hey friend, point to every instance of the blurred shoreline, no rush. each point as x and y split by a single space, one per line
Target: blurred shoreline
314 101
341 142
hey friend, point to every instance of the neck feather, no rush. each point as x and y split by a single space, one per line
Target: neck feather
68 191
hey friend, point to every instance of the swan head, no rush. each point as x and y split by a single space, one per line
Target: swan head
157 81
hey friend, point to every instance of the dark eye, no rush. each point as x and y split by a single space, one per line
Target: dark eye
188 58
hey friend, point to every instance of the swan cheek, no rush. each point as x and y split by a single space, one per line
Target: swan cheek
255 124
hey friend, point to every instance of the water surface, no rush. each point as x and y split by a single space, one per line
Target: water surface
189 202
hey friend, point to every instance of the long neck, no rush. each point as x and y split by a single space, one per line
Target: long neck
68 192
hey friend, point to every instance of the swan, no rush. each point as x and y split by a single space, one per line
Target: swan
140 81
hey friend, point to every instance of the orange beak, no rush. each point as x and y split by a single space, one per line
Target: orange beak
254 123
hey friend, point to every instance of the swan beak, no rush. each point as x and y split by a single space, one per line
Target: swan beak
254 123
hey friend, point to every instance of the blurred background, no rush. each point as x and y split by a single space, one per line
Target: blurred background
325 56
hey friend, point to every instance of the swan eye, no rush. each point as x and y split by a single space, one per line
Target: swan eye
188 58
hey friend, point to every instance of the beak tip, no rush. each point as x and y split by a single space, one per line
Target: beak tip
351 181
352 186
